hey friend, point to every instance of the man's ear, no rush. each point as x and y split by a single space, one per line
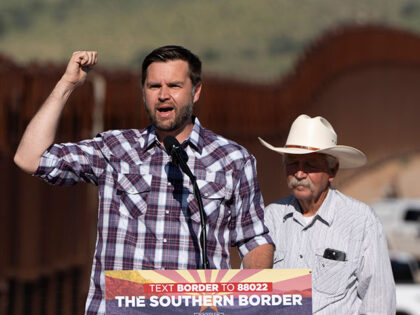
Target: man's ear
197 92
333 172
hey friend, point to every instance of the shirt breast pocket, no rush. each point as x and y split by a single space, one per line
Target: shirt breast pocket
215 195
331 277
278 259
133 190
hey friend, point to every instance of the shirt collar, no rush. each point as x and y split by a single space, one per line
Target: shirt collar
325 212
151 138
194 138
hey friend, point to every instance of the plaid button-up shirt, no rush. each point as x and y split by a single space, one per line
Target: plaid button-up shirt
148 216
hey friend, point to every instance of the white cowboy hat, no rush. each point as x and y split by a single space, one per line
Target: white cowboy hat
310 135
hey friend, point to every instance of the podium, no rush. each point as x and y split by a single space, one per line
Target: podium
209 292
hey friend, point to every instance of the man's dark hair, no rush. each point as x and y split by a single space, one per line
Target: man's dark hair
172 52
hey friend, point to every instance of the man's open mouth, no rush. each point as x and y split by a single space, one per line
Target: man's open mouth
165 109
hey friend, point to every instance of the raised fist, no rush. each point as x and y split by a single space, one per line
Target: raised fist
79 65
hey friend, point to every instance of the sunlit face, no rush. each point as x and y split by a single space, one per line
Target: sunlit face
169 95
308 175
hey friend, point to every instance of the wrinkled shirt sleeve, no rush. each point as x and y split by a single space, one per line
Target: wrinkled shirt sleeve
249 231
376 287
70 163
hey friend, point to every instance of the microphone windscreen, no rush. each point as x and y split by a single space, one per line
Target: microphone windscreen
170 142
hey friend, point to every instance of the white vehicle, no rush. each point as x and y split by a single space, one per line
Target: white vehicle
406 274
401 221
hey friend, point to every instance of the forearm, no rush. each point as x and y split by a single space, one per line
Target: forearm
261 257
40 132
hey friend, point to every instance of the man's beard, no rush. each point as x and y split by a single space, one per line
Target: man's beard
294 182
181 118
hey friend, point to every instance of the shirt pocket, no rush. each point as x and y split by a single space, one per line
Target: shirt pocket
133 190
278 259
214 195
330 277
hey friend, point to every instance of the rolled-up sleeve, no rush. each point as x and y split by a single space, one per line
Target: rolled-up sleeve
250 230
70 163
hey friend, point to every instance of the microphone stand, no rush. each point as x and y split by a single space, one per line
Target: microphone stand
203 234
197 195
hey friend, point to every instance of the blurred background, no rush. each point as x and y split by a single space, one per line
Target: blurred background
357 63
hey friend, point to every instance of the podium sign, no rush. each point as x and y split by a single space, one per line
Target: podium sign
209 292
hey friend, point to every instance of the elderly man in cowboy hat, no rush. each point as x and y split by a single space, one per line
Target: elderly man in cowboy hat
318 227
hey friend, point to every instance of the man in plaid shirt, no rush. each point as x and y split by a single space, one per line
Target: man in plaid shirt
148 216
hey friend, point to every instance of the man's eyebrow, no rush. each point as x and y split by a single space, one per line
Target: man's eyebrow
150 83
175 82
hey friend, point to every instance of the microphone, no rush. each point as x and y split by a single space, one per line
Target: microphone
179 156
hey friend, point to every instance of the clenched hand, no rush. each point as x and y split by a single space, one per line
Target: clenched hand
79 65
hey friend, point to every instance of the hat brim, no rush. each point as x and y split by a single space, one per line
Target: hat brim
348 157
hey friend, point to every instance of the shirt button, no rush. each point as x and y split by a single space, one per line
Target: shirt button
300 256
164 240
167 211
169 184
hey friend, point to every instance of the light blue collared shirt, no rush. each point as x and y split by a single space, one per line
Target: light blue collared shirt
363 283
